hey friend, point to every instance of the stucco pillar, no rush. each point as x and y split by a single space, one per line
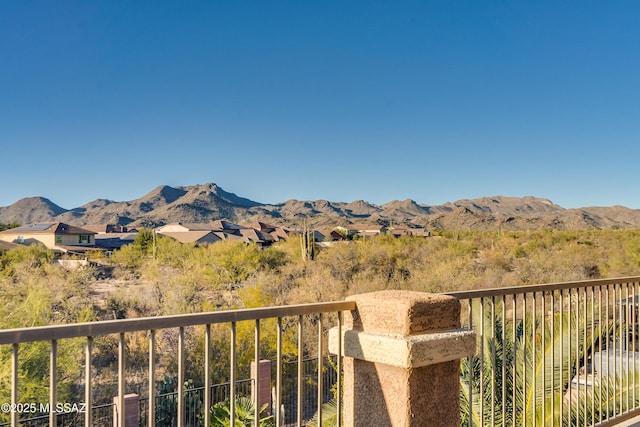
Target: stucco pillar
401 365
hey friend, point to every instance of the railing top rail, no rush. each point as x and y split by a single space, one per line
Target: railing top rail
518 290
92 329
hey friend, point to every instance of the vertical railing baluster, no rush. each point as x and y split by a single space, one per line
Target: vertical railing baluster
602 329
232 379
627 346
534 332
562 355
493 361
482 341
14 384
576 356
620 350
616 325
503 361
180 385
151 421
207 375
608 368
256 398
585 355
278 410
470 368
553 358
514 389
320 363
623 353
594 383
620 353
619 359
53 382
340 355
524 357
543 355
300 373
88 388
614 346
634 331
121 380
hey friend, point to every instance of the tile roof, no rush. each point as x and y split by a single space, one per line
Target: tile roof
48 228
7 245
201 236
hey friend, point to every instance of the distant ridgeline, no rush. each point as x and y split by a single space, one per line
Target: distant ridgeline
208 203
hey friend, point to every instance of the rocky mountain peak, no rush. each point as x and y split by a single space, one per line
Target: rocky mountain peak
209 202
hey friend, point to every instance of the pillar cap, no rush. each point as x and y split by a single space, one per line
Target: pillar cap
407 352
403 312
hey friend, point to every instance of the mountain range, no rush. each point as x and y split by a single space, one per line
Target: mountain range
208 202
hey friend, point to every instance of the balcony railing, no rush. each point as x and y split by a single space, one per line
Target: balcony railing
565 354
311 322
561 354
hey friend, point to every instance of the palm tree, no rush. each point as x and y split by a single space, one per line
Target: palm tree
329 415
245 414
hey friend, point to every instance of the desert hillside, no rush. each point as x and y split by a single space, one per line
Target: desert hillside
209 202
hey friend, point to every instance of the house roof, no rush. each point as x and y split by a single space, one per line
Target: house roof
7 245
48 228
227 236
279 234
253 235
365 227
262 226
219 225
114 240
106 228
186 226
201 236
222 224
368 233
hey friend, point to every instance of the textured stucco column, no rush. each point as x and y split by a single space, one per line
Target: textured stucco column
401 365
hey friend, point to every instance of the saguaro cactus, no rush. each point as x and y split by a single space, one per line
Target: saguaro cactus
307 242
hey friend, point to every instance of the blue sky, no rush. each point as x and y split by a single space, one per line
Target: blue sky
376 100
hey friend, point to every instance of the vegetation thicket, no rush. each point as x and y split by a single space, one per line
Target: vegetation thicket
159 276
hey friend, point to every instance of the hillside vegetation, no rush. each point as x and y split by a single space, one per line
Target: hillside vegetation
147 279
144 279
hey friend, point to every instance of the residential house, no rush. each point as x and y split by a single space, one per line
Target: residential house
251 235
111 241
366 230
409 231
108 228
211 232
112 236
199 237
277 233
330 234
219 225
58 236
